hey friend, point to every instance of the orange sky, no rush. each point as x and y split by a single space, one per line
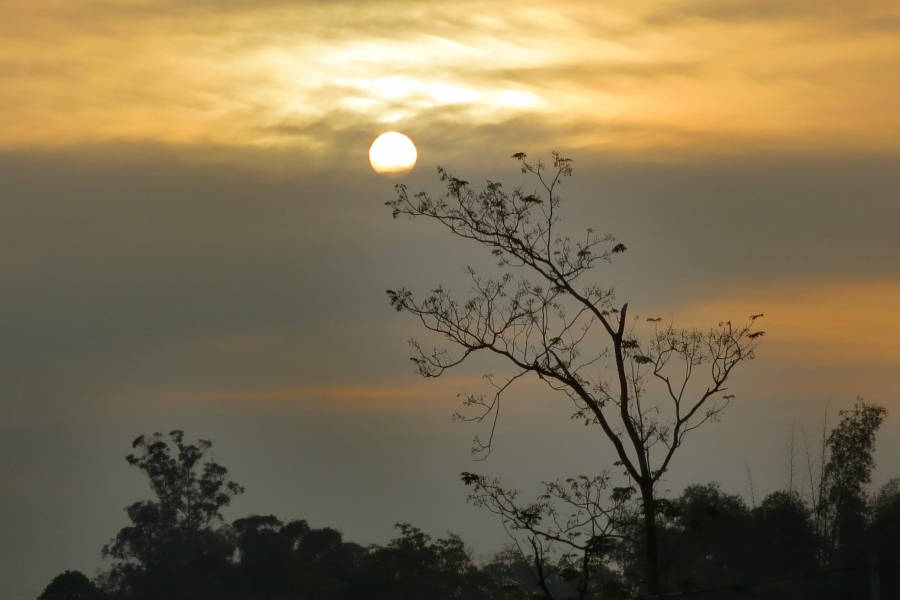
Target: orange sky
669 80
647 76
191 236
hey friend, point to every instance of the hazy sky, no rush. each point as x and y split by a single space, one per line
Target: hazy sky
191 237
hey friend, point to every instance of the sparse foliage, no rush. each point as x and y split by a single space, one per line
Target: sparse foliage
568 532
842 505
555 324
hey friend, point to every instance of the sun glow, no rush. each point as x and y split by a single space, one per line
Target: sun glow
392 154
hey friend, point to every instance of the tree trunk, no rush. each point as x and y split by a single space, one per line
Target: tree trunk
652 545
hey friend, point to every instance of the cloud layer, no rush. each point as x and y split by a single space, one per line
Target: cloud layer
716 77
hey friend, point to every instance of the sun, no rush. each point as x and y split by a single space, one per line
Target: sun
392 154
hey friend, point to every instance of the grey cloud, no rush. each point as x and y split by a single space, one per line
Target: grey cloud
30 68
727 11
754 219
736 11
199 17
590 74
110 262
436 132
889 22
132 272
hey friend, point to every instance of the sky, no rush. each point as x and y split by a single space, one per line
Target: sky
191 238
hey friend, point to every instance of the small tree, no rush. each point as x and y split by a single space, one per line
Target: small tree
176 542
560 328
843 502
566 535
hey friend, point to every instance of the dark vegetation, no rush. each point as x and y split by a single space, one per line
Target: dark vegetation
816 539
611 535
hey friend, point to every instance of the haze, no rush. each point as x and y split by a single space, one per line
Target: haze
191 238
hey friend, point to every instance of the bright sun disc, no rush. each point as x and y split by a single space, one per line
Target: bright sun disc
392 154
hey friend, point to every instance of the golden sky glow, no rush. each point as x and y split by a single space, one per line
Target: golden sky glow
191 237
390 397
833 322
714 76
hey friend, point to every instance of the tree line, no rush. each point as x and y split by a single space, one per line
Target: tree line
815 539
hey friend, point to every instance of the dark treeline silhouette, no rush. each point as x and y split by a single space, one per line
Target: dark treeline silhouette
825 536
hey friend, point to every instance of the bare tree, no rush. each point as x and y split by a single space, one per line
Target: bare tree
554 324
815 490
567 533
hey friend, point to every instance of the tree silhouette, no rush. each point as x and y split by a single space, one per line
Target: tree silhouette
563 330
566 535
412 566
851 445
72 585
784 536
176 546
883 536
711 544
264 550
